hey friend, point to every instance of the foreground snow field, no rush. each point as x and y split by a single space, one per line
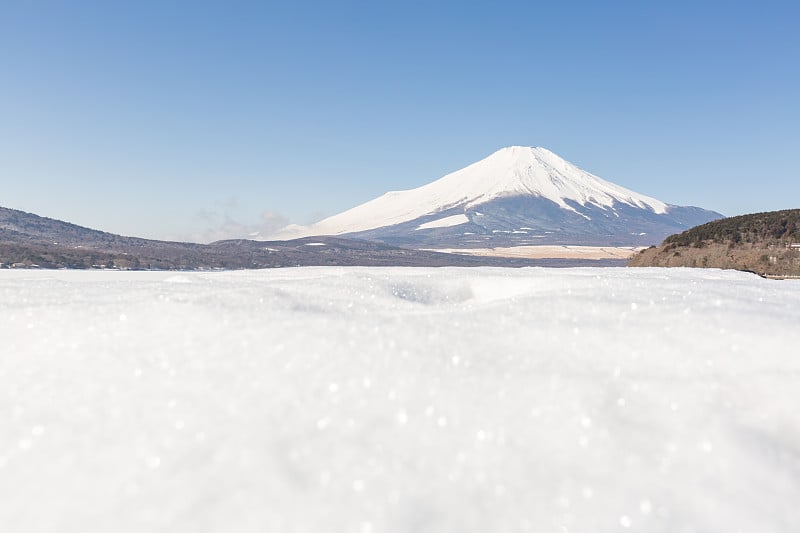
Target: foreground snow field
399 400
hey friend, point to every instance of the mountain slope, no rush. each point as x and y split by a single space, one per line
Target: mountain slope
28 240
517 195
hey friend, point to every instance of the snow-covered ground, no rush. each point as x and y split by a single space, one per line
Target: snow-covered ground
399 400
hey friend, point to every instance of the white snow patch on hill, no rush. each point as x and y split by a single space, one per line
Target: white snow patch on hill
354 399
445 222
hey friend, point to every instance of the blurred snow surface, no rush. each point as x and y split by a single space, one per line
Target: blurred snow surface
399 400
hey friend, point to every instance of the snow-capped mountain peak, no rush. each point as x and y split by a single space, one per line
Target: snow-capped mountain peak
528 182
522 170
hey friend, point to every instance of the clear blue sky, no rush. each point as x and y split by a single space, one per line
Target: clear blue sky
198 120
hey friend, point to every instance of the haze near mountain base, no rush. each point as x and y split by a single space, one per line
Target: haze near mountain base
516 196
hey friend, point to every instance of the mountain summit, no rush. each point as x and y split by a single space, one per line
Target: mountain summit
518 195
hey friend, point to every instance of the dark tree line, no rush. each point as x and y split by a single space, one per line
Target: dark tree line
763 228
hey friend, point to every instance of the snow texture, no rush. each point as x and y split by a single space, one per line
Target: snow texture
399 400
512 171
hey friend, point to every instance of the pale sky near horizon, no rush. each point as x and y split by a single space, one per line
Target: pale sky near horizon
201 120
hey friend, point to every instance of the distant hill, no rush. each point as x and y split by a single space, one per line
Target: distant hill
30 241
765 243
27 239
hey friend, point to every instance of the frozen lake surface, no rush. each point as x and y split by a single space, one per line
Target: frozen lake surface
399 400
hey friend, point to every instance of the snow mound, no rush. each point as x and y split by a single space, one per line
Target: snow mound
392 400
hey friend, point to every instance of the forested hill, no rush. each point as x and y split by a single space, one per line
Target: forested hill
772 227
764 243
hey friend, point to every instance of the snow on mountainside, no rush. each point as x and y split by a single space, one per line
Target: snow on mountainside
565 197
512 171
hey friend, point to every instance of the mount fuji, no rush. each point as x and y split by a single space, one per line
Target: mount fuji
516 196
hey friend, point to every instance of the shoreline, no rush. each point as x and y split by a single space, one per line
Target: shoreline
547 252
